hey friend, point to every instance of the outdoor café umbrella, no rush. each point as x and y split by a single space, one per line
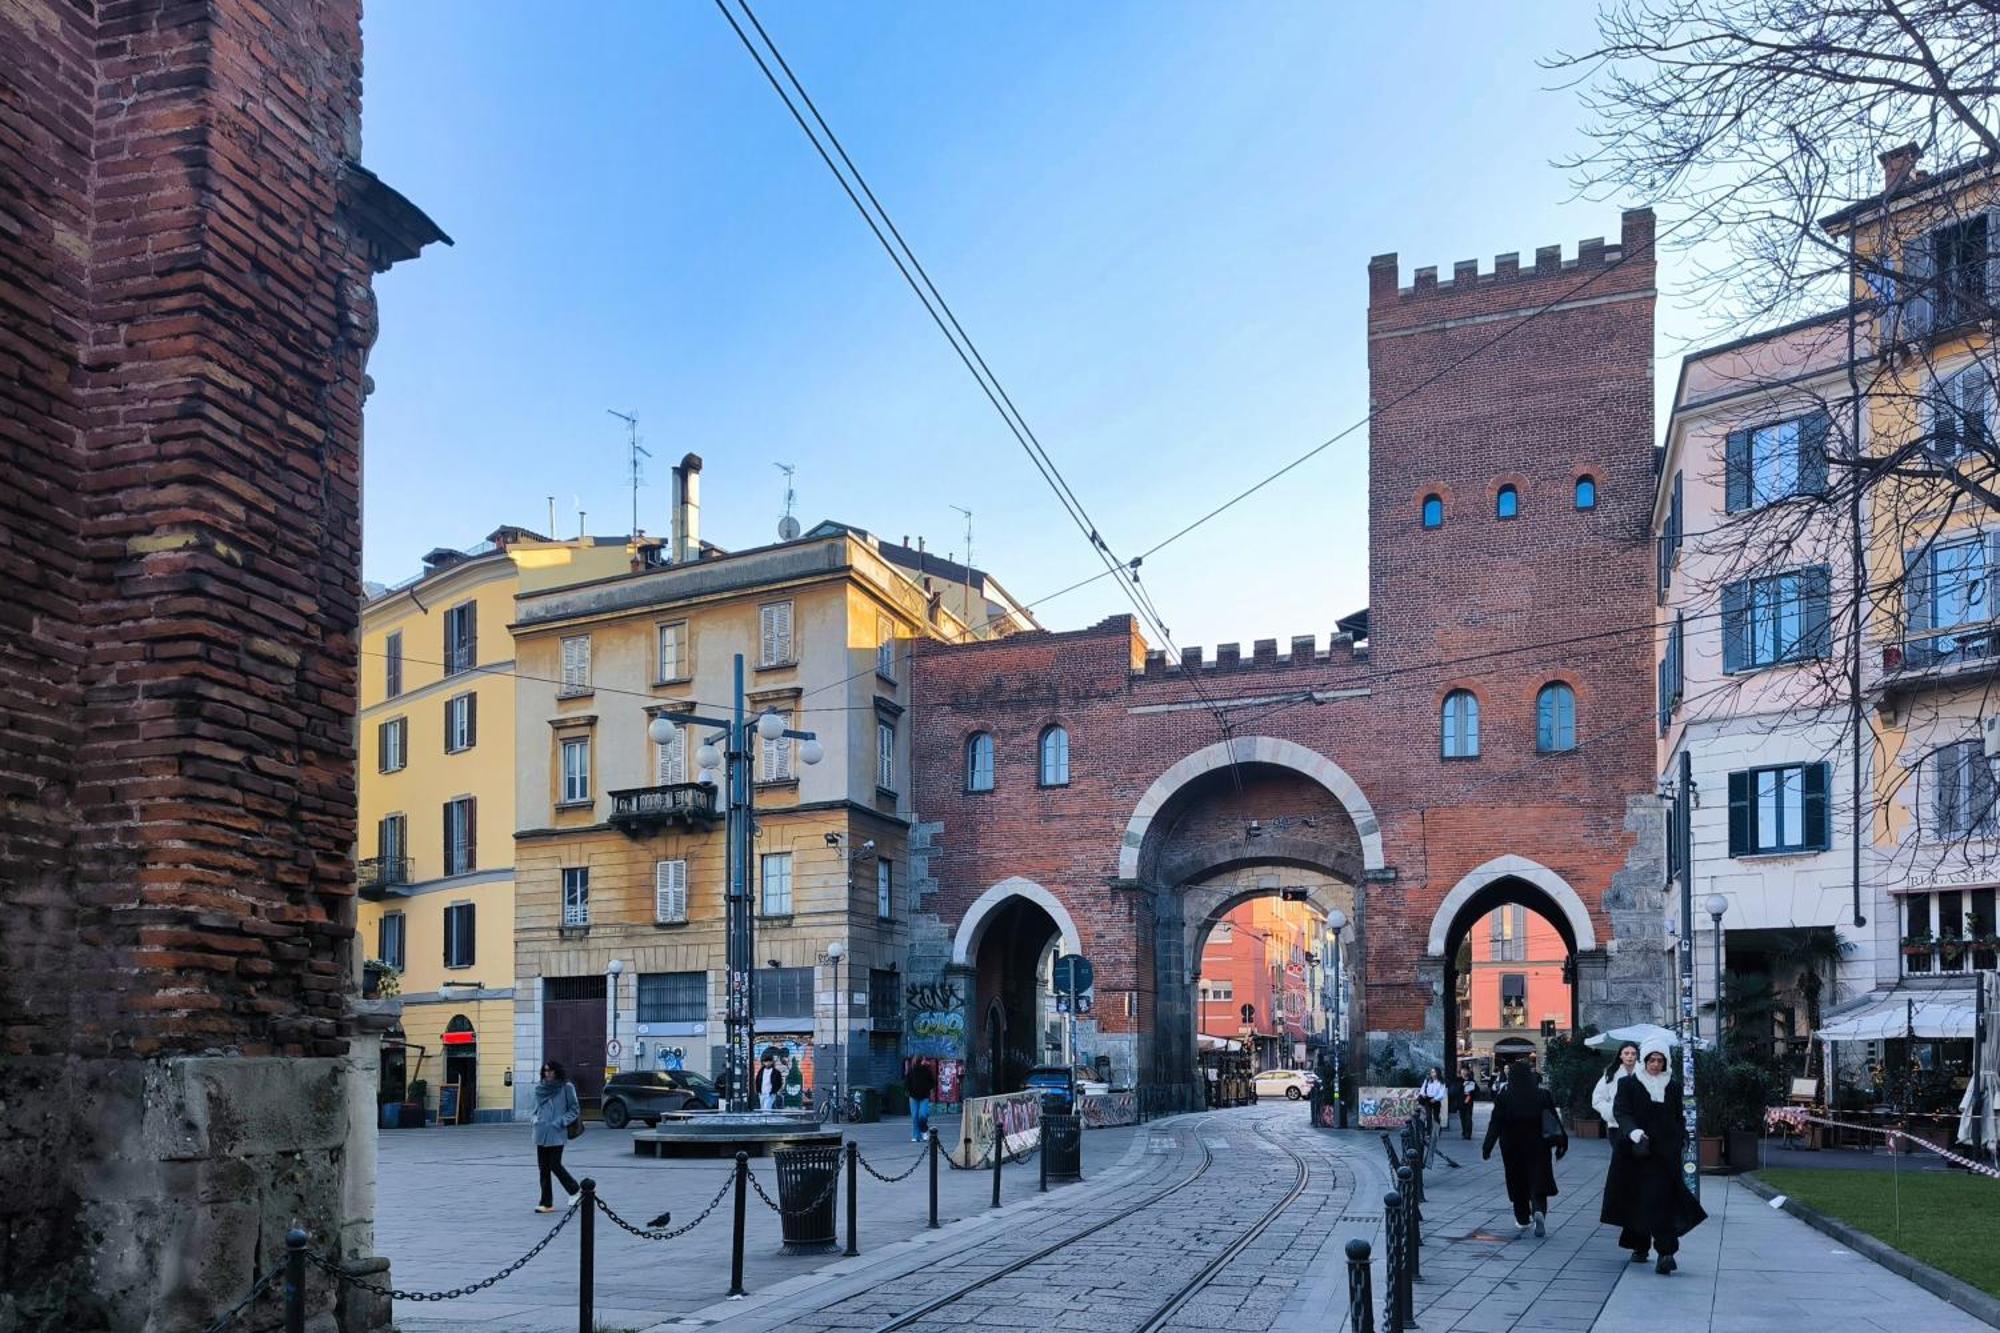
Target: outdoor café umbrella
1638 1034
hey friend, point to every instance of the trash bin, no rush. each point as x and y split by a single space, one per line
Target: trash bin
1062 1140
807 1176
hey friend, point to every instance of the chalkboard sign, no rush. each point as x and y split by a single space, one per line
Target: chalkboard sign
448 1098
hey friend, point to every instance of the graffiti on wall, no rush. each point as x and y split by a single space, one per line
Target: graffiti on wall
1017 1116
1103 1109
950 1078
794 1058
933 995
1387 1108
937 1032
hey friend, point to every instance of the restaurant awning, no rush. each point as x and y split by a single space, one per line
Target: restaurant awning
1903 1012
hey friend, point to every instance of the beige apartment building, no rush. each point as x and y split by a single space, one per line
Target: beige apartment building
620 847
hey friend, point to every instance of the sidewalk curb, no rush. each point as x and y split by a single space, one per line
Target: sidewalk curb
1940 1284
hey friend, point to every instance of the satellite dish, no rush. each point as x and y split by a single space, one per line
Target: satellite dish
788 528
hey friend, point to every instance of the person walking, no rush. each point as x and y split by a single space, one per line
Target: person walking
920 1083
1526 1127
1433 1093
1618 1173
770 1084
1653 1209
556 1109
1468 1088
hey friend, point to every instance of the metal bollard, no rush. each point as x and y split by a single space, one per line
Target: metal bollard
934 1175
586 1260
1412 1225
295 1281
853 1192
1360 1289
1394 1235
1043 1157
736 1243
1414 1159
999 1152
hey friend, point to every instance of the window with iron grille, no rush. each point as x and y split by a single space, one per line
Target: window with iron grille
461 638
673 997
576 896
885 996
392 844
785 992
458 935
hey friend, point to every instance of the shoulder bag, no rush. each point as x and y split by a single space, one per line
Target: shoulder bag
1552 1127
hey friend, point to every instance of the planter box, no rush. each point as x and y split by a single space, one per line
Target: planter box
413 1115
1742 1145
1711 1154
1587 1127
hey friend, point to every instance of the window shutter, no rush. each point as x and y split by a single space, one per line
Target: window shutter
1975 401
1819 819
1742 831
1680 655
448 867
1815 590
1735 626
1993 256
382 747
450 708
1666 711
670 891
1917 269
468 937
471 720
673 760
1980 813
1944 792
776 633
576 662
1917 650
1736 467
1674 515
471 834
1814 433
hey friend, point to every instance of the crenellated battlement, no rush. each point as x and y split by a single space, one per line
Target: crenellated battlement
1264 656
1635 241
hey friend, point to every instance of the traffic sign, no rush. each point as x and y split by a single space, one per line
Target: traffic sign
1073 974
614 1048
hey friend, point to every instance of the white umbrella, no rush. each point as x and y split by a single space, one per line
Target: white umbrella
1639 1034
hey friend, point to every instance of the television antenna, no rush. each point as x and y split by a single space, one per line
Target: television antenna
637 451
788 527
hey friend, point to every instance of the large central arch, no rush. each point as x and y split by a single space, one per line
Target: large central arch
1504 880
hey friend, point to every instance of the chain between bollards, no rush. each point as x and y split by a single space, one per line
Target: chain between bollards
934 1178
586 1260
1360 1289
295 1281
853 1201
736 1292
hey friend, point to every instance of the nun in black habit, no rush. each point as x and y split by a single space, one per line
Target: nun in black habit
1648 1203
1523 1114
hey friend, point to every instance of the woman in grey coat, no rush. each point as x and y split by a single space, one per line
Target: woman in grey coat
556 1109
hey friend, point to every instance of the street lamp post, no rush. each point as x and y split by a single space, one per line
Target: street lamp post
835 952
1336 921
612 970
734 759
1717 905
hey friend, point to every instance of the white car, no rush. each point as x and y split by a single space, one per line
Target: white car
1293 1083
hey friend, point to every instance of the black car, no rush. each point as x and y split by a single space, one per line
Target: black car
648 1094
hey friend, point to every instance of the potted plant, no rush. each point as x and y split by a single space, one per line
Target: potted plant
1918 946
414 1104
1572 1069
1711 1107
1747 1091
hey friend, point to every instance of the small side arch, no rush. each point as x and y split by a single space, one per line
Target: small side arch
1565 898
965 943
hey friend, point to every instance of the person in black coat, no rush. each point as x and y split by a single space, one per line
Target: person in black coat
1649 1204
1518 1126
1463 1089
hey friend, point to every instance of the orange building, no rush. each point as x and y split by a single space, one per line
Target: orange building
1256 955
1515 995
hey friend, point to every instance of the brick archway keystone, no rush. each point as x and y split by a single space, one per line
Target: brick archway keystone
965 944
1530 872
1252 750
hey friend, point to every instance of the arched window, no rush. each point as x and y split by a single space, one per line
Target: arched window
1458 725
1055 758
979 761
1555 719
1507 504
1586 492
1433 511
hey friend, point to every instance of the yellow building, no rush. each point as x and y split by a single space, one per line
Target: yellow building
436 848
620 846
1927 274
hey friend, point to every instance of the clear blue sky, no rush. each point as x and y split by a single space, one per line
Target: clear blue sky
1155 218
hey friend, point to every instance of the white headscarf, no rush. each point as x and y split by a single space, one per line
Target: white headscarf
1655 1084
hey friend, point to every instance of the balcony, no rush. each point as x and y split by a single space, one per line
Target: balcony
1961 655
378 877
642 809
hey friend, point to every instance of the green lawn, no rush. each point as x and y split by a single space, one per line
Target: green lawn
1951 1222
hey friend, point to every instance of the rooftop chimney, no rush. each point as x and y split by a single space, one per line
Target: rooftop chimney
687 510
1897 166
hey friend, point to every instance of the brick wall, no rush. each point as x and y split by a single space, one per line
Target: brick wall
1474 605
187 315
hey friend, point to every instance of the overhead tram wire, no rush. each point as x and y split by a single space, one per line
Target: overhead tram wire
947 321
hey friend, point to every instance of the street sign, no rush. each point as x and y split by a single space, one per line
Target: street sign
1073 974
613 1049
1249 1013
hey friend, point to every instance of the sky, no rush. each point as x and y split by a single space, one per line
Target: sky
1155 220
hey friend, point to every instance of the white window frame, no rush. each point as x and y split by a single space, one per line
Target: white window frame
780 902
1774 461
458 850
575 779
394 757
671 647
575 896
401 933
885 755
981 758
775 646
1046 773
885 889
575 666
458 735
885 647
1458 726
670 892
1222 991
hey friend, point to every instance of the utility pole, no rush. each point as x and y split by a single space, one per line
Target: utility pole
636 451
1681 827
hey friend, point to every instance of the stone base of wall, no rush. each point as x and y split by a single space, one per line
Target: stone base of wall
180 1178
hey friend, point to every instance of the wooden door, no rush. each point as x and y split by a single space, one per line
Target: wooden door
573 1032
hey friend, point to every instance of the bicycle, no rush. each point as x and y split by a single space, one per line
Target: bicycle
838 1109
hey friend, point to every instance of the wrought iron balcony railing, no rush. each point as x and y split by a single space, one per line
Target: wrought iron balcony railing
376 876
651 807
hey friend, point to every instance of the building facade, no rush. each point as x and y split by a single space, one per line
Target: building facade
620 875
1516 987
435 858
1479 735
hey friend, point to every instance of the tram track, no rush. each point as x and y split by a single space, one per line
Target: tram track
1165 1312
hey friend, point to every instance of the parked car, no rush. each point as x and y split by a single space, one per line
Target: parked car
648 1094
1293 1083
1065 1084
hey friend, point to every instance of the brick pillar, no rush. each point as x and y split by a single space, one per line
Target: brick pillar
191 244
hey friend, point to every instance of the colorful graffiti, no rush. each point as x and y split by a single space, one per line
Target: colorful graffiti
937 1032
1387 1108
1018 1116
794 1058
950 1077
1105 1109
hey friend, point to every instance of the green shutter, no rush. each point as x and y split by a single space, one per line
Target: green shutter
1819 817
1736 467
1815 590
1742 819
1735 627
1814 432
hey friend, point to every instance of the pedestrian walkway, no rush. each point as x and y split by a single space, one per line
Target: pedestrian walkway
1749 1268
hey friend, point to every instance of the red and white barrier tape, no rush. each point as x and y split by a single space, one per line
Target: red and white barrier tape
1968 1163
